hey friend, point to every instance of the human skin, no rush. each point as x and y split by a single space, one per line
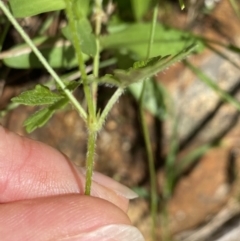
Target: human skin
41 197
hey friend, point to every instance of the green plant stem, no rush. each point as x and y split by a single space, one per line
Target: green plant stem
76 41
75 38
108 107
98 26
146 135
92 135
98 22
43 61
91 122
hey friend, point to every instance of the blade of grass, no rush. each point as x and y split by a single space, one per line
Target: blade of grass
191 157
170 163
224 56
146 135
207 41
140 7
235 7
211 84
47 23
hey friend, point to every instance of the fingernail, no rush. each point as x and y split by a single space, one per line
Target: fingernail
112 184
117 187
109 233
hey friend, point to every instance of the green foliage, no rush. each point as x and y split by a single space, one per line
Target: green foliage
83 27
81 8
154 98
140 7
148 62
134 38
41 117
40 95
124 78
26 8
58 52
88 41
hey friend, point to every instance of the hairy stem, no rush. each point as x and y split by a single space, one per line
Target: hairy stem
77 46
92 121
108 107
92 135
98 25
43 61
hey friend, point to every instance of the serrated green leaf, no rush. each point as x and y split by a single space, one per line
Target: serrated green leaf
151 61
41 117
58 52
124 78
27 8
41 95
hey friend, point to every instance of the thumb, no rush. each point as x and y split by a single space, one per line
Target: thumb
66 217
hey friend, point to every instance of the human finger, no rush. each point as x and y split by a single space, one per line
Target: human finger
30 169
65 217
